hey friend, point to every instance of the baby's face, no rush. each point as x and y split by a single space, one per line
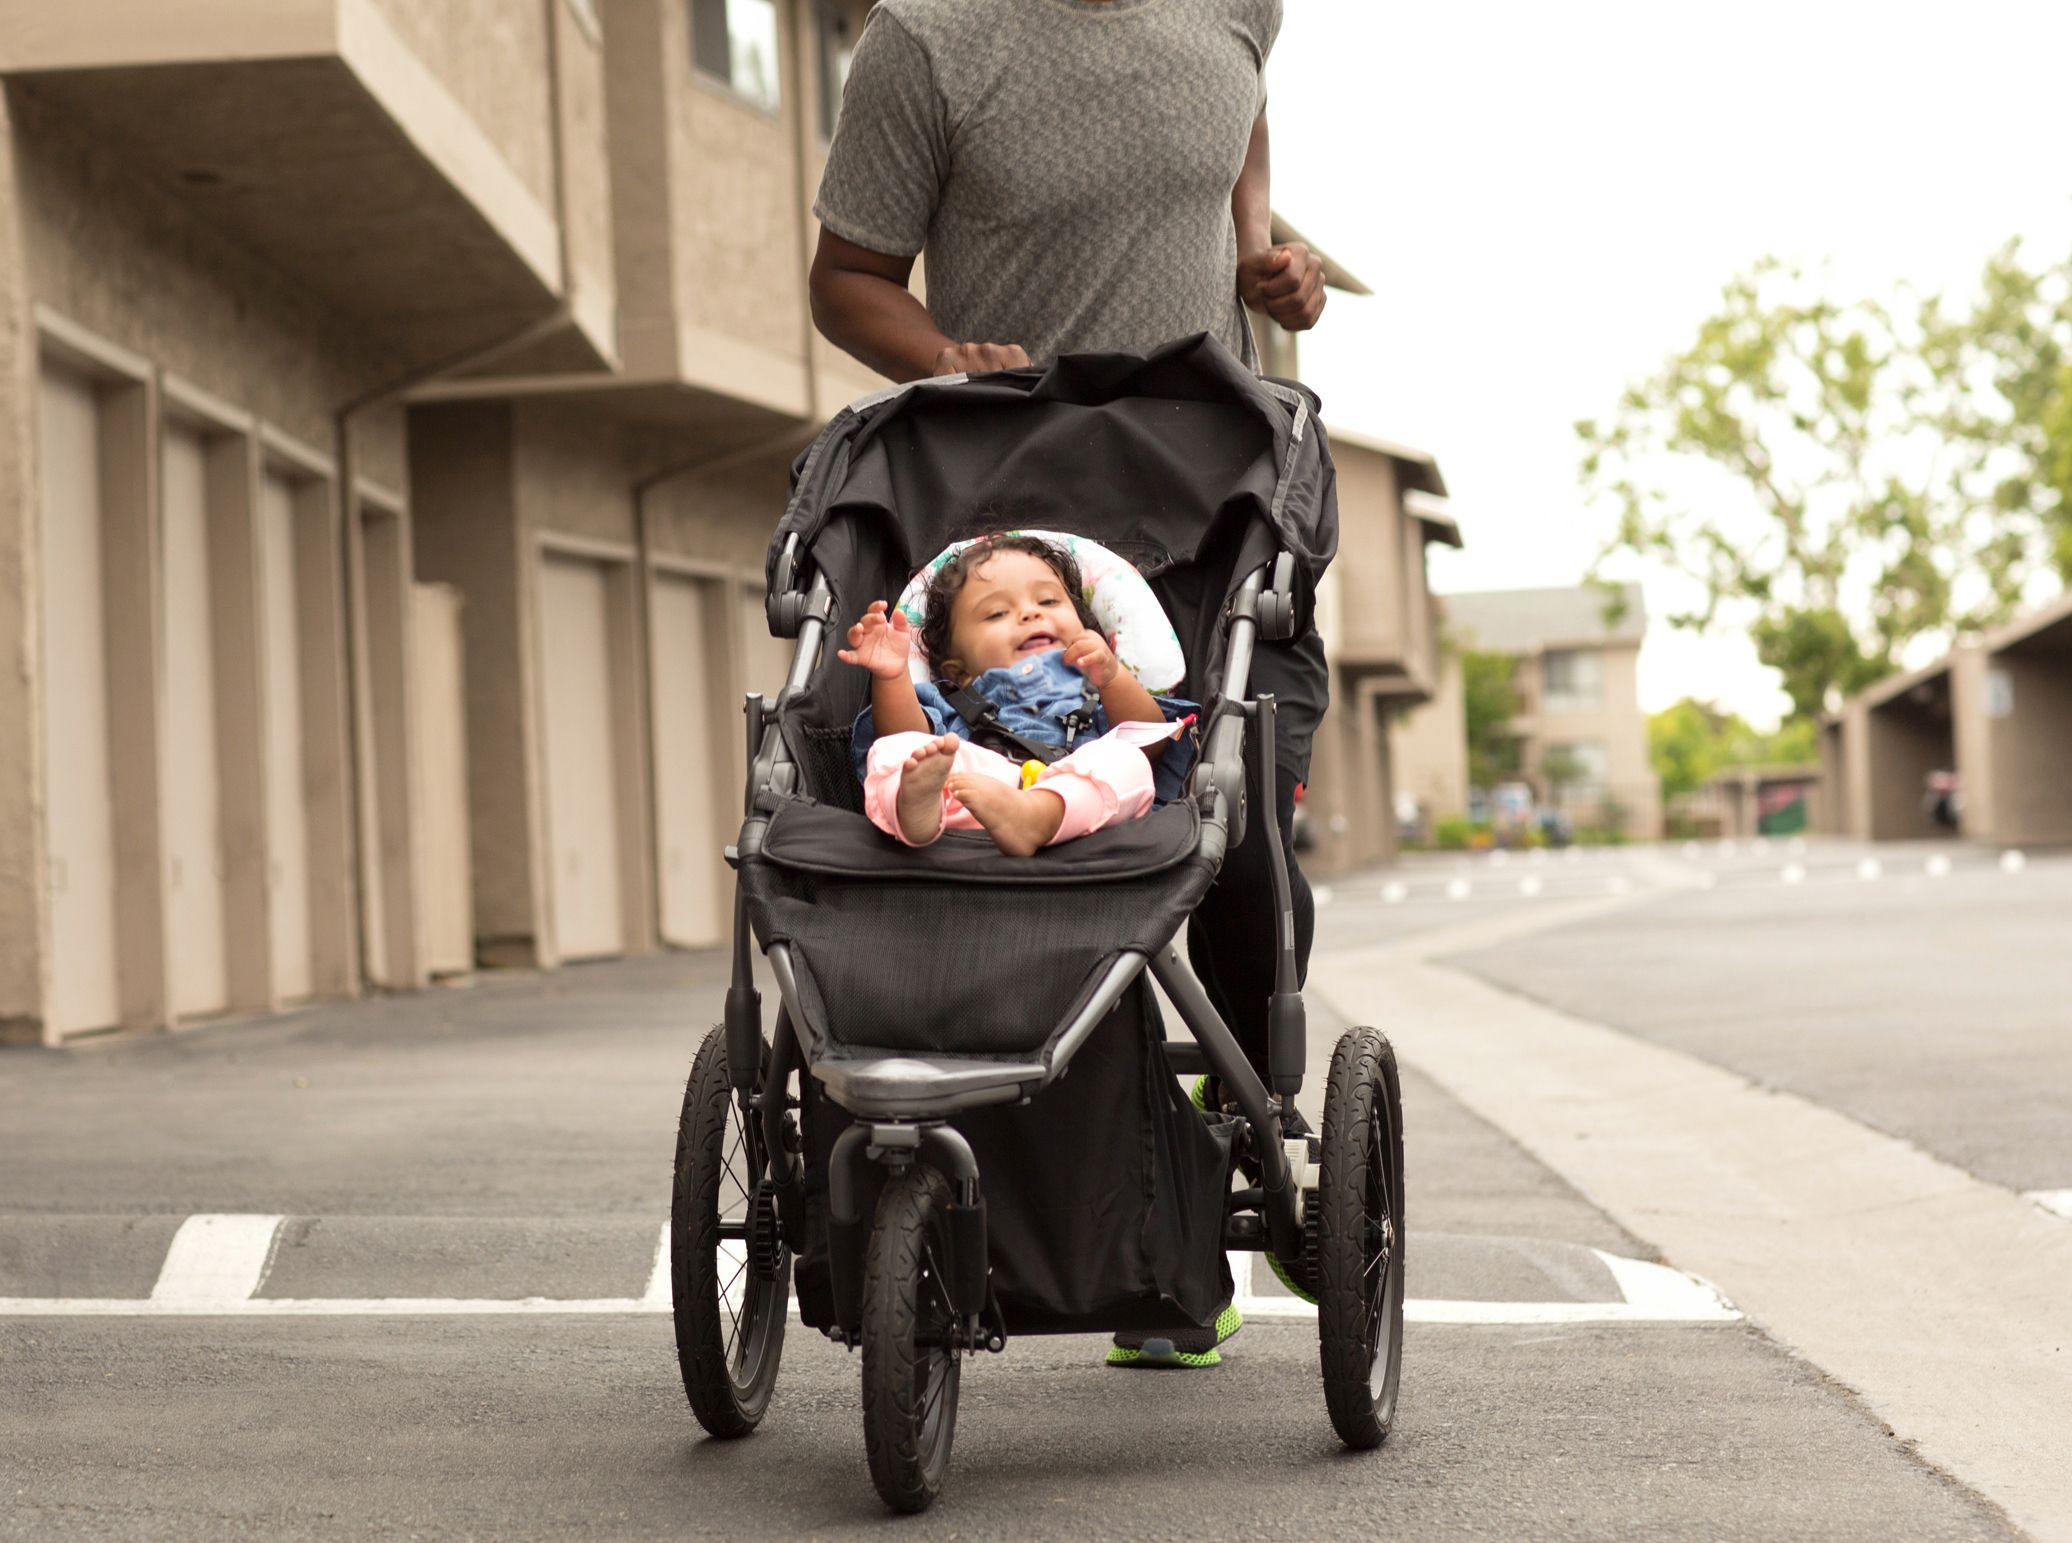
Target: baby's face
1012 605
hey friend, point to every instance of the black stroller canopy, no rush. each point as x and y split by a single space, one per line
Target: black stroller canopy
1149 454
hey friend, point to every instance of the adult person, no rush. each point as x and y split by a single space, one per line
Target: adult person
1080 175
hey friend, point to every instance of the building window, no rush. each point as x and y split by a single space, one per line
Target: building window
1578 770
835 40
1575 681
735 41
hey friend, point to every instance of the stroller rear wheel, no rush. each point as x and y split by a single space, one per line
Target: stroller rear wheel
729 1272
1360 1239
911 1362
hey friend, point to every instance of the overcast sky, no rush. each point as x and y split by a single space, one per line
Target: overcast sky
1548 198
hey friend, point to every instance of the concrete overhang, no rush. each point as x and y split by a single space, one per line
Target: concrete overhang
2050 628
1436 518
310 132
1930 678
1336 274
1377 674
1743 776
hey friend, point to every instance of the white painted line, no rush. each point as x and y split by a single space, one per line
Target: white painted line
1792 873
1458 889
2012 862
1937 867
1395 892
2056 1201
657 1294
1653 1294
216 1261
1659 1294
1869 869
1530 886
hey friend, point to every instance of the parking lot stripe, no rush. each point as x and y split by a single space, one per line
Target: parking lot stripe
657 1294
215 1261
216 1272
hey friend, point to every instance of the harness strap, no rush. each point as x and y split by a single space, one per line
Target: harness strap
983 717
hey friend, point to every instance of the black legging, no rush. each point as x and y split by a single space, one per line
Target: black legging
1231 936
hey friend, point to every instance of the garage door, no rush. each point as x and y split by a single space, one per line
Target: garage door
193 813
582 780
696 760
79 796
287 817
439 728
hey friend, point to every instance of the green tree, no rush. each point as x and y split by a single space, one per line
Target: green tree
1842 478
1690 742
1489 685
1683 744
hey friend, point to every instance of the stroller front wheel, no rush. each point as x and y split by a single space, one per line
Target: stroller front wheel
1360 1239
911 1363
729 1271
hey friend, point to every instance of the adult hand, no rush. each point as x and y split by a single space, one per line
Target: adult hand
1286 282
879 643
1091 656
978 358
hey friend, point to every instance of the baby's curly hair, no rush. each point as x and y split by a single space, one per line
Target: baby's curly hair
948 581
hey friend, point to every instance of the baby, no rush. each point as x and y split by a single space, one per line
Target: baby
1019 664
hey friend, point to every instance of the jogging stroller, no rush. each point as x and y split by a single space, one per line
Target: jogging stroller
930 1186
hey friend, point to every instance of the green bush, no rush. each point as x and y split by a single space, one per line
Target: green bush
1455 833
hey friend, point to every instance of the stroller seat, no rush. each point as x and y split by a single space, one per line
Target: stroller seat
954 949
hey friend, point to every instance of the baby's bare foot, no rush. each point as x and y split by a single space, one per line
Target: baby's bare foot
1020 821
920 788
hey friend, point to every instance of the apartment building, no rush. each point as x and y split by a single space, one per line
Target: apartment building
1995 714
1581 739
399 397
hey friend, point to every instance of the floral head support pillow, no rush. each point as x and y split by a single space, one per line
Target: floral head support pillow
1128 613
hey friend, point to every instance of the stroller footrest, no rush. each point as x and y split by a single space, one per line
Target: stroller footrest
892 1085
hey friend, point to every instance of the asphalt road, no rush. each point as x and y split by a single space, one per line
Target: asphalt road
514 1139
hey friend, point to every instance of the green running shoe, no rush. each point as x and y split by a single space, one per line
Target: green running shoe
1199 1096
1189 1349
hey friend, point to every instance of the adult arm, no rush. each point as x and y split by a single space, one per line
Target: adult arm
861 304
1285 282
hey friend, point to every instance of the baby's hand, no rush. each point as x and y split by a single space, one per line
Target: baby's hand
1091 656
880 642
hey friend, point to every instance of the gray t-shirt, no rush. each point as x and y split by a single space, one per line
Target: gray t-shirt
1066 164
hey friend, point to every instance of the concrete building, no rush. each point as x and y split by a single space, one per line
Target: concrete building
1745 801
1996 712
1582 740
398 399
1380 632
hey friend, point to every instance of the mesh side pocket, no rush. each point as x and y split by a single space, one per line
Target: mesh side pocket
823 755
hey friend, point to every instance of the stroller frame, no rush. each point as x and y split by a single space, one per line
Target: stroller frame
902 1103
914 1284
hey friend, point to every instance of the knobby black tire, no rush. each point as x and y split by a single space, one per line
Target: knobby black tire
728 1354
1360 1239
909 1387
